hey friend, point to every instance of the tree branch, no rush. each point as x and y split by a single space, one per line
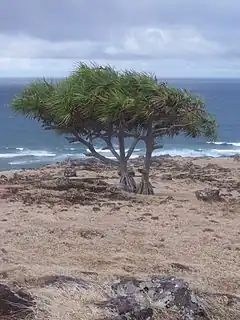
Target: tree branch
168 129
131 148
106 137
93 152
157 146
134 135
161 131
72 139
110 147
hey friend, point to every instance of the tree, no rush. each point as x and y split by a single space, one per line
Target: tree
97 102
100 103
170 112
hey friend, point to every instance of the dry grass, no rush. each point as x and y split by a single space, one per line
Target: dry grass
68 302
171 233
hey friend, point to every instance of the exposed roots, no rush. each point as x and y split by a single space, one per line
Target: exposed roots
128 183
145 187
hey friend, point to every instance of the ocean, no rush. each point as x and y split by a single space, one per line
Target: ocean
24 144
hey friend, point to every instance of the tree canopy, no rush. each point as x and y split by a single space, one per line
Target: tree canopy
96 102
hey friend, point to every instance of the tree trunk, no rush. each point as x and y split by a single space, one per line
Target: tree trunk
145 187
95 154
127 181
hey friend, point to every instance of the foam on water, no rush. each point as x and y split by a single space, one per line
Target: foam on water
215 153
24 162
26 153
47 159
220 143
28 157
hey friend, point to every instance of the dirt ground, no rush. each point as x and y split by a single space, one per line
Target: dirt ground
95 232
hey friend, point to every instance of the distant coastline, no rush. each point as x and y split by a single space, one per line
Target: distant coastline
221 160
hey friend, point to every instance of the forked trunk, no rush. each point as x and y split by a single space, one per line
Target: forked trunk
127 181
93 152
145 186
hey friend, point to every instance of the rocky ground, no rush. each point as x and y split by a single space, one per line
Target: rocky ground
81 248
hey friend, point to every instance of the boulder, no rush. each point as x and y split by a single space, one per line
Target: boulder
209 195
236 157
140 300
14 302
70 172
3 179
166 176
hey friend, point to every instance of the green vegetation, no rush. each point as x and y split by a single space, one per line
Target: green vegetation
97 102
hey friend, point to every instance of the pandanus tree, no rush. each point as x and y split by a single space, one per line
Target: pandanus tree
170 112
161 110
98 103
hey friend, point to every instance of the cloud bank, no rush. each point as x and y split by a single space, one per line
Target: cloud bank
171 38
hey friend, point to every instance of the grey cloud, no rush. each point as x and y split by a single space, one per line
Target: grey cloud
149 44
57 20
97 29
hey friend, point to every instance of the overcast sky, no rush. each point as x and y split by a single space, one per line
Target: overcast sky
173 38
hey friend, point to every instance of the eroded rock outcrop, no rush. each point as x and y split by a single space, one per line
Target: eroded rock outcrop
70 172
209 195
141 300
14 304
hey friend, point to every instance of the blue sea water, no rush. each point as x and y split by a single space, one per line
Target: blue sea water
24 144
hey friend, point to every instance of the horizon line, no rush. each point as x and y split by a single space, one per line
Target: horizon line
162 77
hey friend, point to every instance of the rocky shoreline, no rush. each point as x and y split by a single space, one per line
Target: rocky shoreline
63 177
81 248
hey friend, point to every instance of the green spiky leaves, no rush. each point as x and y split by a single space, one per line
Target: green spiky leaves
95 100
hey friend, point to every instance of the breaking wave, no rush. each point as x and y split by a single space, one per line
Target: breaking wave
22 157
220 143
214 153
21 152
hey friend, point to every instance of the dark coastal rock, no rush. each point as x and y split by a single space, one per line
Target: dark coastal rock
166 176
89 164
236 157
67 191
14 303
209 195
215 167
140 300
70 172
182 175
3 179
